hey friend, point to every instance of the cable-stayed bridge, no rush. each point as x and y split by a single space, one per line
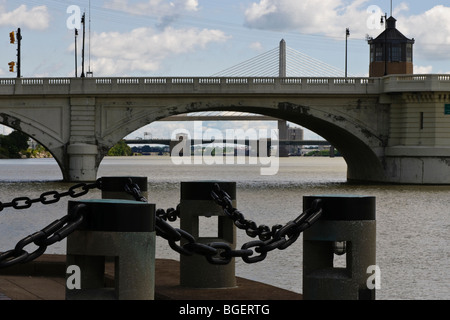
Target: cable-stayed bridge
282 61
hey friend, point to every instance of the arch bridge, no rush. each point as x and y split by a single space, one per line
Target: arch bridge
394 129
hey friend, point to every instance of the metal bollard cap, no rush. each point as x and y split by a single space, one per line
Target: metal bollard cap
201 190
116 184
344 207
111 215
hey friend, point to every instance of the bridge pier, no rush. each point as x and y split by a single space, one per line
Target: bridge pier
82 162
417 165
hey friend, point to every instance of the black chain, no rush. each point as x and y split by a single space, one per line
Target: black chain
134 190
278 237
54 232
50 197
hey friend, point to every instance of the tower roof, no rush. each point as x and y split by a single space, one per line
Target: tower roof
391 34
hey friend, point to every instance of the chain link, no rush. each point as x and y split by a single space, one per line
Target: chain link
51 197
278 237
218 253
134 190
54 232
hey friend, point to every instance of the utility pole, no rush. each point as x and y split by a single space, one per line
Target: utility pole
76 53
347 34
90 73
19 39
83 21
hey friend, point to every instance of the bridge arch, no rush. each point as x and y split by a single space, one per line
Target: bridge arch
360 144
52 143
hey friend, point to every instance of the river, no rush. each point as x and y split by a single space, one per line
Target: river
413 222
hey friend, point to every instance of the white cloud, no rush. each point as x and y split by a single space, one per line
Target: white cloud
327 17
144 49
330 18
430 30
307 16
423 69
257 46
36 18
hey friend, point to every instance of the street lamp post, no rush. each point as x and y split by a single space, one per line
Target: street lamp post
385 42
76 52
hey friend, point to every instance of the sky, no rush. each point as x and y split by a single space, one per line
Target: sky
203 37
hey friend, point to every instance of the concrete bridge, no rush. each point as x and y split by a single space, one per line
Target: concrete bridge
394 129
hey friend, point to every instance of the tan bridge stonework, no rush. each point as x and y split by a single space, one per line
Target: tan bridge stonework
393 129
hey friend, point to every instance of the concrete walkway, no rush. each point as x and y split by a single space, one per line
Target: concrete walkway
44 279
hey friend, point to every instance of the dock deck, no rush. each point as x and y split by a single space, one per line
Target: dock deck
44 279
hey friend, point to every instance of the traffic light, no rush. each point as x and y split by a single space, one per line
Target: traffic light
12 37
11 66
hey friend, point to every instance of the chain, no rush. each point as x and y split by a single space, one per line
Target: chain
50 197
218 253
278 237
54 232
134 190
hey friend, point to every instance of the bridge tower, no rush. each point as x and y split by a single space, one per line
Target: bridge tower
391 52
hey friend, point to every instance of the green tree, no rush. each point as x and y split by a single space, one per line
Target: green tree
120 149
14 144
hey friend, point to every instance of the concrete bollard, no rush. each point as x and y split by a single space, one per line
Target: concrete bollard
347 225
122 229
196 202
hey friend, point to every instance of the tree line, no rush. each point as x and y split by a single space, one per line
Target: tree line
14 145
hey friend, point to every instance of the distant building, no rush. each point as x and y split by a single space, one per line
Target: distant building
295 134
391 52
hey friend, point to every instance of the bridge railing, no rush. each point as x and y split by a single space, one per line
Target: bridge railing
416 82
224 85
143 85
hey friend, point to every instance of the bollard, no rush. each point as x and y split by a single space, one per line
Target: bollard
122 229
196 202
114 187
347 226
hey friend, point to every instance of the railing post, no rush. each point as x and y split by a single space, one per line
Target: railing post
122 229
347 226
196 203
